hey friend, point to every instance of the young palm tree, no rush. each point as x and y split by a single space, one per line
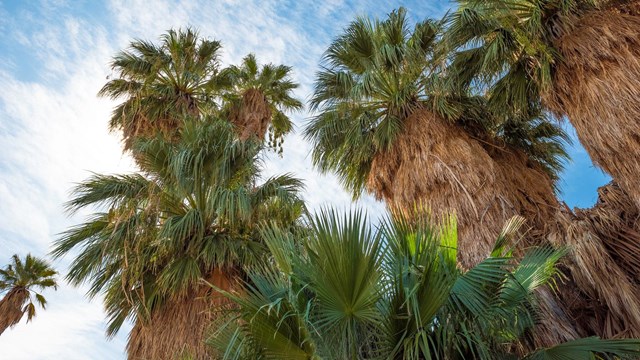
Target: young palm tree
163 83
18 281
259 100
349 292
192 215
582 57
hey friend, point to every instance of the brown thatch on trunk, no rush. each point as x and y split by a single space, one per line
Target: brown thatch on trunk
438 164
180 326
605 245
11 307
595 84
252 115
624 6
529 189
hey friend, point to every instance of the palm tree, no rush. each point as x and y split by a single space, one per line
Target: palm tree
163 83
581 57
388 125
18 280
391 124
259 100
347 291
181 76
192 215
577 59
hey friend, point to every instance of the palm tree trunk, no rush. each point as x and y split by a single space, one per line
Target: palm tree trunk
435 164
251 117
11 307
440 166
605 242
595 84
180 326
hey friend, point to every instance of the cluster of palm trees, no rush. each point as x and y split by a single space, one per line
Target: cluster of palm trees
451 116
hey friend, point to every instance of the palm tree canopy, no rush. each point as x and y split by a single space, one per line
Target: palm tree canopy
162 83
372 78
350 290
194 209
274 85
29 274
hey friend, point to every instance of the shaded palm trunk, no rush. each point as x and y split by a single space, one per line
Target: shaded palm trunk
596 85
251 117
181 325
604 242
11 310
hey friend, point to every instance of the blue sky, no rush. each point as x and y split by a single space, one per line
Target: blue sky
54 57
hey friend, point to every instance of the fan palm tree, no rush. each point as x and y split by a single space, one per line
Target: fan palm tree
192 215
18 281
575 58
259 100
181 76
162 83
387 124
581 57
347 291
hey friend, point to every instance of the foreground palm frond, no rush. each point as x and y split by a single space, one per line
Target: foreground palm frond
350 290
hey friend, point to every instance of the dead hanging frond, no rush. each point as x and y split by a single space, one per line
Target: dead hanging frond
11 307
595 84
251 115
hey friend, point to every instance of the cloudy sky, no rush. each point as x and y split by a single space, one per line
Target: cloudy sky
54 57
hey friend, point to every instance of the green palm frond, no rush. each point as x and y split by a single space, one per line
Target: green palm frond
589 348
